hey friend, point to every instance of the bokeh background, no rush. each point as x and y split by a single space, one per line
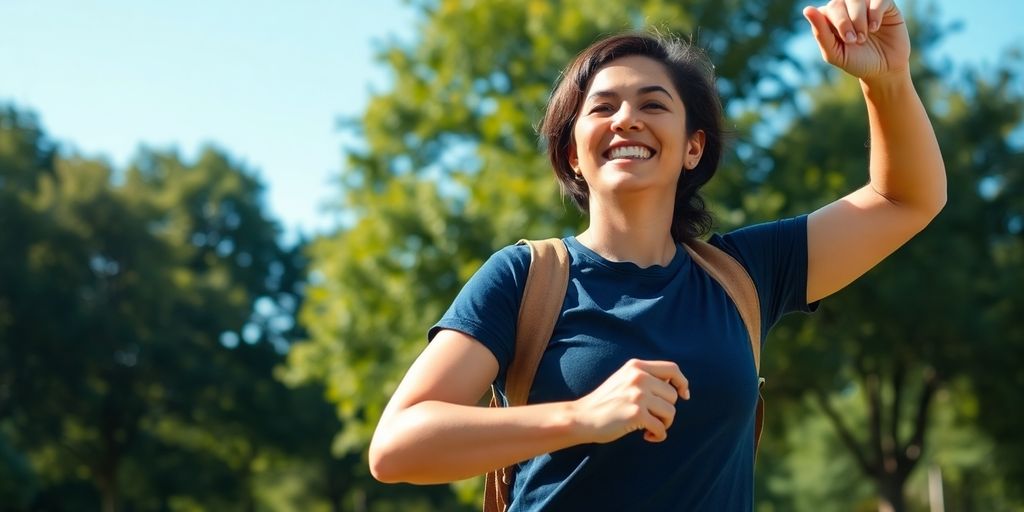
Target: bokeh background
225 227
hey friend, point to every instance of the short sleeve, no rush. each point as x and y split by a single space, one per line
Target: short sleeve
488 305
775 256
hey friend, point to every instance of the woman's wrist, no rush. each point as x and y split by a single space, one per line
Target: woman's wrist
570 419
888 86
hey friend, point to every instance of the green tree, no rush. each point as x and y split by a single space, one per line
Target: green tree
140 324
25 155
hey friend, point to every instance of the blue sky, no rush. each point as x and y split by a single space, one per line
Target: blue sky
265 80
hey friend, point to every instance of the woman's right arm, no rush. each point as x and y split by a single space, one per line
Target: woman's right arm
432 431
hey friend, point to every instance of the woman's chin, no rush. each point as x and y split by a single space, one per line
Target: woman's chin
629 180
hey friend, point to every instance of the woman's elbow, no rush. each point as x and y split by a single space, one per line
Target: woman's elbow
939 197
934 208
941 194
926 209
394 452
384 461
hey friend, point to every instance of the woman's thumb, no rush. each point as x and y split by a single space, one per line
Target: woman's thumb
823 33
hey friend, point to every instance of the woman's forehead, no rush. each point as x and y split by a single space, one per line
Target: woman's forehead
630 74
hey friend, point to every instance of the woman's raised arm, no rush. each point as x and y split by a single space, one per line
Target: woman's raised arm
907 185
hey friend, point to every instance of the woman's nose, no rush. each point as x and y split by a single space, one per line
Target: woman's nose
626 119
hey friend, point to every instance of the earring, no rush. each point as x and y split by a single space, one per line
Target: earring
579 176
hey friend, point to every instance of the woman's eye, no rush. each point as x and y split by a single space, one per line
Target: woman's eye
596 109
655 105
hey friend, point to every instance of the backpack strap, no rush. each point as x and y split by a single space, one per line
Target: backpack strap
543 296
740 287
546 284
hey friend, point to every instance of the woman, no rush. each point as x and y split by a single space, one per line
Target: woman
645 396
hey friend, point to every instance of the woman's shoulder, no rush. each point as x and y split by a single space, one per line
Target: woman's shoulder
751 239
775 256
513 257
505 269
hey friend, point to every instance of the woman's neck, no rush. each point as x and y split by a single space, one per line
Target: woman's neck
637 231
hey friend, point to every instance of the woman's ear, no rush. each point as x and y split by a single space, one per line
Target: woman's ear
574 159
694 150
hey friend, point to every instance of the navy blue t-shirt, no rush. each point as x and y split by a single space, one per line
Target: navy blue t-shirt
615 311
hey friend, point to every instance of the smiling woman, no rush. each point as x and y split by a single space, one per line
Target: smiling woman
681 96
645 334
627 139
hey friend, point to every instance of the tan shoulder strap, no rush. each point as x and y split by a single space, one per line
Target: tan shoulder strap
543 295
542 301
740 287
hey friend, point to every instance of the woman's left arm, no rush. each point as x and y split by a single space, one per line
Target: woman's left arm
907 188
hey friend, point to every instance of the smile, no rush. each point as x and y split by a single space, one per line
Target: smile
629 152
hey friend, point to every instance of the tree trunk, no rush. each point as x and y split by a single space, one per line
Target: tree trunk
108 490
885 458
890 494
248 497
335 491
359 500
106 472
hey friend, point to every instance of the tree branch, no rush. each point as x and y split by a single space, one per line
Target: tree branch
844 433
910 453
75 453
899 373
873 401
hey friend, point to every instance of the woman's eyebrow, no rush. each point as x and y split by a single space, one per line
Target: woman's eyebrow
641 91
653 88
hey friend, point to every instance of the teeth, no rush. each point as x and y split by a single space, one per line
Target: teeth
629 152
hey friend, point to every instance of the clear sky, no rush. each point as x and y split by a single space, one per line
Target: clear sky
265 80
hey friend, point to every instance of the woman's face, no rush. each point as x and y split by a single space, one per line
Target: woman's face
630 132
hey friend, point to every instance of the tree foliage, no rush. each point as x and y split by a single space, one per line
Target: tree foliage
141 318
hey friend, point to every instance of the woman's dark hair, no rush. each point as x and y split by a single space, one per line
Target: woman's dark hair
693 76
